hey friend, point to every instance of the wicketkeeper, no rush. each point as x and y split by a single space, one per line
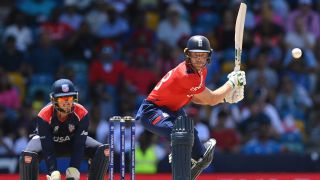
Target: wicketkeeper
62 130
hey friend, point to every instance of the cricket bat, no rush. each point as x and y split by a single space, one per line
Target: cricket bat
238 36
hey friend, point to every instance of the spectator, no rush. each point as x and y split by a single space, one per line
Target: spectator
142 35
21 141
225 32
173 27
231 120
106 68
6 145
82 5
115 26
267 35
11 59
6 142
253 116
315 132
94 118
166 60
57 30
261 75
9 95
6 124
262 143
146 154
20 31
302 38
281 8
80 45
292 100
310 18
45 57
38 9
138 76
199 124
96 16
71 17
26 119
228 139
39 100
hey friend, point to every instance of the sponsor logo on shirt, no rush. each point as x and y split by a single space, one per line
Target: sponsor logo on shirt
84 133
56 128
193 89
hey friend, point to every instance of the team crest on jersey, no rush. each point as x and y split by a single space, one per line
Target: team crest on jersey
71 128
56 128
65 88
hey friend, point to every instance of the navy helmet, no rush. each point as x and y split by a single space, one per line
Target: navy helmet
62 88
198 43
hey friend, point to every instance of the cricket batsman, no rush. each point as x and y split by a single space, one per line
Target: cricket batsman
162 111
62 130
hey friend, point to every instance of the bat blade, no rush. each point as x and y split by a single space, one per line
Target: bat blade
238 37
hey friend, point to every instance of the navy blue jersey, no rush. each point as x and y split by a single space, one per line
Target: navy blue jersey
71 132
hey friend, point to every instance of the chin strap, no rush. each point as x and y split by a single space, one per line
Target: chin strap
56 107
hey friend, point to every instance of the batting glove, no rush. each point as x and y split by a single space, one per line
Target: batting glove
237 79
235 95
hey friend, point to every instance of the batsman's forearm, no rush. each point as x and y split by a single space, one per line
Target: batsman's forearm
219 94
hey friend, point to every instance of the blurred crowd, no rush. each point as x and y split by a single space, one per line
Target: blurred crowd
115 51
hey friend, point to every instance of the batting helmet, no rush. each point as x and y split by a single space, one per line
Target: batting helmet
198 43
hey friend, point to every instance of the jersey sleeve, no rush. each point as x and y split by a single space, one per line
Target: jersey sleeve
47 144
79 140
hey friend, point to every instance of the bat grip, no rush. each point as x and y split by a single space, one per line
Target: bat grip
237 68
237 60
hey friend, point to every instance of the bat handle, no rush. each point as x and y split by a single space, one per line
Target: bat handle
237 61
237 68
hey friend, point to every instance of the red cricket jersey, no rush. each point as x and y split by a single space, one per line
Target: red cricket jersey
177 87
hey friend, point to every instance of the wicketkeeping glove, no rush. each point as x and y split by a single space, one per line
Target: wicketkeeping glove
55 175
72 173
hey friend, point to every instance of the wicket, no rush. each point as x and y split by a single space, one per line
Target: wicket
122 121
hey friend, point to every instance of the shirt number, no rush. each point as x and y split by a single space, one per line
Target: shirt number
164 79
